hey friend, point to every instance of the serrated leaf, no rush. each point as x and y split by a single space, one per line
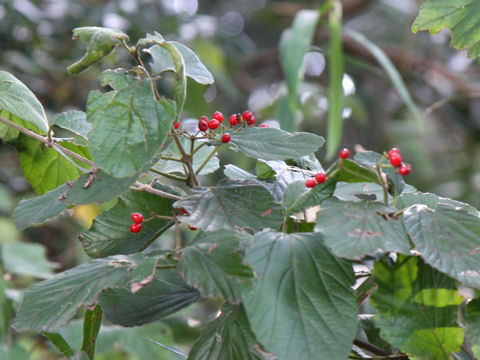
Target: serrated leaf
49 304
228 337
302 304
128 124
166 294
27 259
448 238
19 104
355 229
43 167
194 68
231 204
417 308
460 17
216 269
275 144
103 188
74 121
110 233
101 42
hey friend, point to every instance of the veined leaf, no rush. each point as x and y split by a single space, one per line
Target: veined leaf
417 308
128 124
101 42
302 304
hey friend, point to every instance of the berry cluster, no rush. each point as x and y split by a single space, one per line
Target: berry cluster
204 124
396 160
137 219
320 178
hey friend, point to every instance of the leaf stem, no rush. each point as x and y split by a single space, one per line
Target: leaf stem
137 186
202 165
167 175
169 158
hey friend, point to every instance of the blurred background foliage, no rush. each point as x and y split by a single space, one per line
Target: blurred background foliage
238 40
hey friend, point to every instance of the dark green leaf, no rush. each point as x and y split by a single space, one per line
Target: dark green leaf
27 259
194 68
228 337
355 229
417 308
461 17
49 304
352 172
91 326
128 124
275 144
19 105
60 343
74 121
215 269
231 204
110 233
448 239
165 295
101 42
302 304
473 325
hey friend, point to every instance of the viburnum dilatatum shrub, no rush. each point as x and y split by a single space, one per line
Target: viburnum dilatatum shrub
293 251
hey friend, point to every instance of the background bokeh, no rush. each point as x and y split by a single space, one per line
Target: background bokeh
238 41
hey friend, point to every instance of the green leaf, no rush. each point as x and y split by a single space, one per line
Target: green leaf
448 238
355 229
14 352
194 68
101 42
27 259
165 295
91 326
231 204
228 337
417 308
49 304
60 343
431 200
235 173
216 269
460 17
352 172
275 144
358 192
391 71
83 191
302 304
472 325
128 124
335 87
74 121
19 105
43 166
110 233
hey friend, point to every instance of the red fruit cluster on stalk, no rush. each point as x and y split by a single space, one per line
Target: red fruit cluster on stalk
246 116
320 178
397 161
137 219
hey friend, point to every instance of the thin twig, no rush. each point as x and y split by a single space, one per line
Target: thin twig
137 186
167 175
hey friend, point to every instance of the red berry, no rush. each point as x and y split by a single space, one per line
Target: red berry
395 159
320 177
310 183
135 228
203 125
264 125
137 218
233 120
213 124
247 115
404 169
182 210
193 228
217 115
226 138
345 153
393 151
251 121
177 125
205 118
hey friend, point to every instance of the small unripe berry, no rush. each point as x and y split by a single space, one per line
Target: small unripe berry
203 125
176 125
251 121
217 115
247 115
233 120
404 169
135 228
395 159
310 183
213 124
226 138
345 153
320 177
137 218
